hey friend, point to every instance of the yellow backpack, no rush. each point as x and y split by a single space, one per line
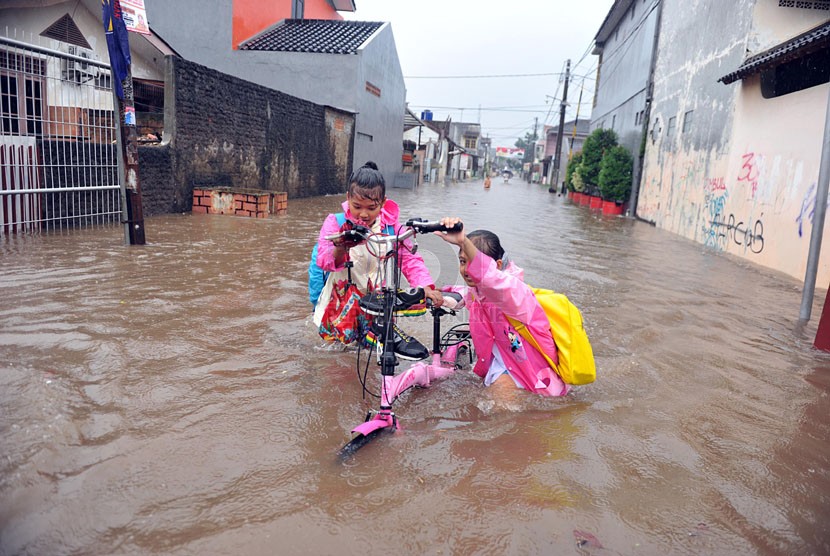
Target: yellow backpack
576 358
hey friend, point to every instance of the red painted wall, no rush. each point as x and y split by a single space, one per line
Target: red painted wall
252 16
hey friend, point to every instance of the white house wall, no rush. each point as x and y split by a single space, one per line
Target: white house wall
26 24
742 179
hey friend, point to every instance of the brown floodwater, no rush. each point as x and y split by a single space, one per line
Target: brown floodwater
174 399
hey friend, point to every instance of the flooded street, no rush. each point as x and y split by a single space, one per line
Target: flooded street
174 399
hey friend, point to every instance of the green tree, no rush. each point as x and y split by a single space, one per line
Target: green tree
573 164
597 143
528 144
615 174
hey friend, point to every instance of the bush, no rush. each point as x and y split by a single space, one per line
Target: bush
573 163
576 179
596 144
615 175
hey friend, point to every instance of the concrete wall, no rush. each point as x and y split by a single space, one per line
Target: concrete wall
623 74
224 131
336 80
380 118
742 178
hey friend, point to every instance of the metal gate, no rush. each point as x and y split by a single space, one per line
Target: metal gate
58 142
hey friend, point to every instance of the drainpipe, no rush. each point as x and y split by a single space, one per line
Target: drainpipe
638 174
818 221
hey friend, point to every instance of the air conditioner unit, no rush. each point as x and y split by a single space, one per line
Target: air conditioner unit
76 70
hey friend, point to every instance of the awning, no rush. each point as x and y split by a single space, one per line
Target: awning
808 42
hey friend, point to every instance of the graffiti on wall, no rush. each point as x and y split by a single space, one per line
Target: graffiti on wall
729 229
749 172
713 206
720 230
808 208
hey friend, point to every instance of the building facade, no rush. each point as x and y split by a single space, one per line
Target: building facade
352 66
736 126
625 45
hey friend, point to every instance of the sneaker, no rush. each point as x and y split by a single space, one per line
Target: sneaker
405 346
408 303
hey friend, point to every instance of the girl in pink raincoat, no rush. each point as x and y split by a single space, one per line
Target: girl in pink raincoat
495 290
366 205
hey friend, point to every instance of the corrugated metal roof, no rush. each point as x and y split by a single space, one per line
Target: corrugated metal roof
810 41
612 19
410 120
314 35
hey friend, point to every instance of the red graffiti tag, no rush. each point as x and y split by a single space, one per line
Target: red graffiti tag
715 184
749 172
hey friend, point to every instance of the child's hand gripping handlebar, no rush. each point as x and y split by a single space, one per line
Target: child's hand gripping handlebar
424 227
350 235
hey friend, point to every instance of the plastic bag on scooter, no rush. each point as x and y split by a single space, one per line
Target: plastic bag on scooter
343 320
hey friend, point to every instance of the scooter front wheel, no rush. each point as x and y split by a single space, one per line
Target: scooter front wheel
358 442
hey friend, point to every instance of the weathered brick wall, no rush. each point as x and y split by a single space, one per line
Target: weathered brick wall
233 133
159 194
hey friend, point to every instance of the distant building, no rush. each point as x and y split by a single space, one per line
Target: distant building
574 133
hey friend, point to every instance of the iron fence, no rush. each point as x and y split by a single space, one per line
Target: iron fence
58 141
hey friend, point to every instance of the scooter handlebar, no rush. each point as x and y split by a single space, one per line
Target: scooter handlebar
424 227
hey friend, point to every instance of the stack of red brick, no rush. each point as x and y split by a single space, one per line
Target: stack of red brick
279 203
239 202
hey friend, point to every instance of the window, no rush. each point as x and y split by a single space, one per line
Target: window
614 121
687 121
469 142
297 9
802 73
9 109
34 107
103 80
633 5
671 126
21 105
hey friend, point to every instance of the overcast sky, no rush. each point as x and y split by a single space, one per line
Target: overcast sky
441 38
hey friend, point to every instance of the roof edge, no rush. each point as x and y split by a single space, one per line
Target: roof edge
785 51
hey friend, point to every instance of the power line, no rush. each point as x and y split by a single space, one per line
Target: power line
483 109
489 76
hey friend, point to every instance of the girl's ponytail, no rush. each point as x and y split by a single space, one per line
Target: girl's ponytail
368 182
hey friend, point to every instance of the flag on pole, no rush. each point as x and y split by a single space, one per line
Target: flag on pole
118 43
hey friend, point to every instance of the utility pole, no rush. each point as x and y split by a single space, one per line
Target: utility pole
118 46
532 150
559 132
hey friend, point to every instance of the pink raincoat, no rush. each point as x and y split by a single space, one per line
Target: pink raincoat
499 293
412 265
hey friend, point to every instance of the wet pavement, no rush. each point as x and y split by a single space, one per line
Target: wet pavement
174 399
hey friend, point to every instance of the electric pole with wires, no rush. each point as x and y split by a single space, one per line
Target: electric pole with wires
558 154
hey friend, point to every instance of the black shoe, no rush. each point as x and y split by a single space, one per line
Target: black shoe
409 303
405 346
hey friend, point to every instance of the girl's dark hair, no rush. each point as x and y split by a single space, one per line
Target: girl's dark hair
368 182
488 243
